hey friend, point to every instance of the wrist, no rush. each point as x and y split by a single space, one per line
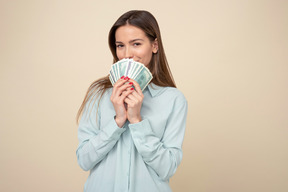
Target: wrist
136 120
120 122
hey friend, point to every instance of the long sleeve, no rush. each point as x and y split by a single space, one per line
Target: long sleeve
164 154
138 157
95 140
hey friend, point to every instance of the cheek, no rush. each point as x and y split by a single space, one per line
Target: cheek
147 56
119 54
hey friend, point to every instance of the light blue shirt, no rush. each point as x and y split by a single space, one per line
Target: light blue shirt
139 157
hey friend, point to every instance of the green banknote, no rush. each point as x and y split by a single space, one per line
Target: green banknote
132 69
143 78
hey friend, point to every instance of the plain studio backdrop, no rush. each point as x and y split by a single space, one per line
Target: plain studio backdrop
229 58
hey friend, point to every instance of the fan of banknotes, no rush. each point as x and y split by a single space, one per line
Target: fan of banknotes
133 70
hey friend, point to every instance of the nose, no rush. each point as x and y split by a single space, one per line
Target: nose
128 53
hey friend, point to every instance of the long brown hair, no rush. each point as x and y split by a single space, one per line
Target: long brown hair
158 65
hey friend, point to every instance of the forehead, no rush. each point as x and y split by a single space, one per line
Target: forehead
129 32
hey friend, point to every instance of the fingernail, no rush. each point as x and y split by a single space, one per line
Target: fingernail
132 88
122 77
125 78
128 78
131 83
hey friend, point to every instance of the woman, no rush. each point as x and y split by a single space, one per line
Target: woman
131 140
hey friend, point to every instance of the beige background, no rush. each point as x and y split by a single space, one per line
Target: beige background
229 58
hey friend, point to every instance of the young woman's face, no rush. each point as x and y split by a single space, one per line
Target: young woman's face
131 42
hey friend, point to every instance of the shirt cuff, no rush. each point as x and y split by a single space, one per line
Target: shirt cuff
112 129
141 129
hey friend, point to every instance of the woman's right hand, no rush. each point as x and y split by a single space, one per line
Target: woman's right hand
120 91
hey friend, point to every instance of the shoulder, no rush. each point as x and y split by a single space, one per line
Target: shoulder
174 92
175 96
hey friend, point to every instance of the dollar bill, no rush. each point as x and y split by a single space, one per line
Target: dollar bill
132 69
143 78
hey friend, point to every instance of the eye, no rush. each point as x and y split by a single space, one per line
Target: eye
136 44
119 45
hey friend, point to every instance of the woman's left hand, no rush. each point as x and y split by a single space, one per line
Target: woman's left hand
134 102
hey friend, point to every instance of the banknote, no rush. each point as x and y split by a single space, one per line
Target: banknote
128 68
137 70
122 67
111 77
115 72
143 78
132 69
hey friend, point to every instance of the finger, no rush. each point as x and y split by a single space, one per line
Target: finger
137 95
137 86
123 88
119 83
129 101
133 97
126 93
118 90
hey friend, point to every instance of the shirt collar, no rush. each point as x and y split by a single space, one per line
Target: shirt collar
154 89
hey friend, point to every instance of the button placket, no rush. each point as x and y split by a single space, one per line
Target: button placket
130 143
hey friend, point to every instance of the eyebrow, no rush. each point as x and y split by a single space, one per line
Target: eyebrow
131 41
